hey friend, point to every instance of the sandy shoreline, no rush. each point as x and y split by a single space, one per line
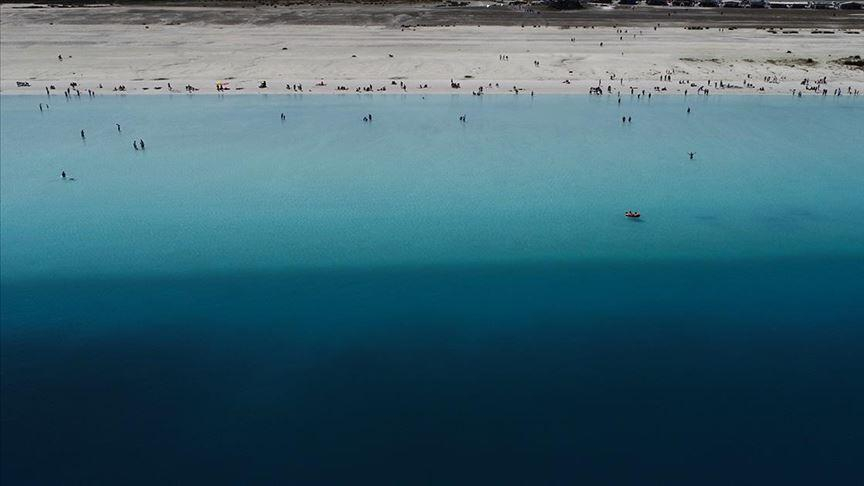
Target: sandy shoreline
146 58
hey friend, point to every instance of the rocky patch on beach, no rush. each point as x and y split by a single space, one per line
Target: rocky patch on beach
797 62
854 62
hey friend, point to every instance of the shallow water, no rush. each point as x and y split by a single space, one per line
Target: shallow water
417 300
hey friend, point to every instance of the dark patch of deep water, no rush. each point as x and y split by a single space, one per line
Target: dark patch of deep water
697 373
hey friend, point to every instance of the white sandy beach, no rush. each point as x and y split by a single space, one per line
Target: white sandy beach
242 55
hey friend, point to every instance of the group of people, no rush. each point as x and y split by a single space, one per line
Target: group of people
136 144
402 85
74 87
370 89
817 87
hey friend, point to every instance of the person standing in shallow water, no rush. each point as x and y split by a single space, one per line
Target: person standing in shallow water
118 127
135 145
141 143
63 174
82 135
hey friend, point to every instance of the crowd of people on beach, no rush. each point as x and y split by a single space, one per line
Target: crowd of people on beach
817 86
808 86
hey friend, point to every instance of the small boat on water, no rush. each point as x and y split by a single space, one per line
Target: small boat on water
632 214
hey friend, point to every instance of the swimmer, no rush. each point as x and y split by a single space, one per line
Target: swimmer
135 144
691 154
63 174
118 127
141 143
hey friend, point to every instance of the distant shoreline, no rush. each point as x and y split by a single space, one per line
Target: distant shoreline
424 13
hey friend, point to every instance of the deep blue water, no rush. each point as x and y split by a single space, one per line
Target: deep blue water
415 301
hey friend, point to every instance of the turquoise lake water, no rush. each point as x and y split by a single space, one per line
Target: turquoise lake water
420 301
